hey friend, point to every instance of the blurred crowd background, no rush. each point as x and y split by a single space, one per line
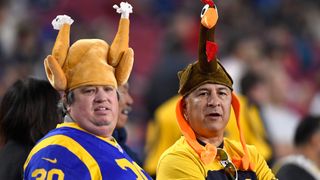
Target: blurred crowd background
278 40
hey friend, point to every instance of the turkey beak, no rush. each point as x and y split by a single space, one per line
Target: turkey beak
210 18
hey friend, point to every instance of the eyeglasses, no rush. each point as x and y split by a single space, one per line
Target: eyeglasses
229 167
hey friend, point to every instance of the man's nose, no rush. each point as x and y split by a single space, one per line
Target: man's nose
101 96
213 100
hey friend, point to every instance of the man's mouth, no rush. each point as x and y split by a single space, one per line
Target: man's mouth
101 108
214 114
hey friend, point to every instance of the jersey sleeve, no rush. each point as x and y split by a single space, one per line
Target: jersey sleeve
55 162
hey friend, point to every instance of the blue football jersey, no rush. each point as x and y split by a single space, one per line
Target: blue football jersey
68 152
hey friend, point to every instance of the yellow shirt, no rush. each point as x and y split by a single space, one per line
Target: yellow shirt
164 131
161 134
180 161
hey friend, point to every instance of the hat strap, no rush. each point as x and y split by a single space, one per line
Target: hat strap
243 162
207 153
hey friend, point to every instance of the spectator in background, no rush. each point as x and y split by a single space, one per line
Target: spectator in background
3 6
120 133
315 102
305 163
162 132
244 52
28 49
28 111
10 74
280 120
253 95
175 55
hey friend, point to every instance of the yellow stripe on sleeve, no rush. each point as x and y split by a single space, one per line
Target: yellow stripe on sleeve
72 146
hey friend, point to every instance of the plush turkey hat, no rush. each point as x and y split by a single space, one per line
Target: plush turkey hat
193 76
207 69
88 61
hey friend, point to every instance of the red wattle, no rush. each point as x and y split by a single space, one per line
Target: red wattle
210 2
211 50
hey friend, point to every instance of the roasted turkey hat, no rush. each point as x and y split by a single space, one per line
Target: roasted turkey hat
88 61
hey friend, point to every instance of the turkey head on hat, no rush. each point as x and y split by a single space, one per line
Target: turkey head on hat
207 69
207 46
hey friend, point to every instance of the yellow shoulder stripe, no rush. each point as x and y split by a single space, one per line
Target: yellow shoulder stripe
111 141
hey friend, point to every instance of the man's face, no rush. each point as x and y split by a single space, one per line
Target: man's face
125 103
207 109
95 109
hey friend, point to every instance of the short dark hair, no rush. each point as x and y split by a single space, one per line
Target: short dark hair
70 97
28 111
64 102
249 80
308 126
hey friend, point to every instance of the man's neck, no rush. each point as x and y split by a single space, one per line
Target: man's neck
67 118
216 141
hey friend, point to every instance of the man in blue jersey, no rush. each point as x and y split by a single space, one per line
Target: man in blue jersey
89 73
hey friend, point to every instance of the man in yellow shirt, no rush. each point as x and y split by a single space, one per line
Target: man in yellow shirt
203 113
164 131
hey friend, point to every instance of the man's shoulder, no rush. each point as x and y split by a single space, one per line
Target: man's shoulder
179 149
58 151
235 147
178 159
57 140
237 144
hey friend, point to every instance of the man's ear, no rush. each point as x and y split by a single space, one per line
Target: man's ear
66 105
